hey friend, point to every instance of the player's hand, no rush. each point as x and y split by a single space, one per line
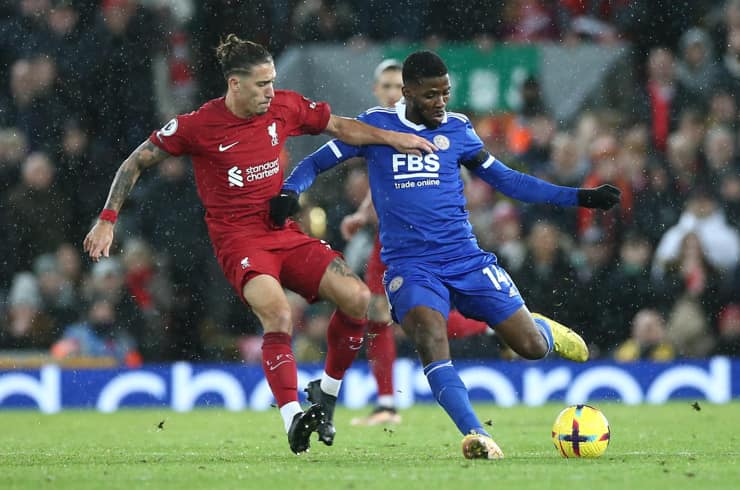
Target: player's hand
351 224
282 206
410 143
603 197
98 241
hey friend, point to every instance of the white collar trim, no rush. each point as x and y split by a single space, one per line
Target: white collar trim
401 112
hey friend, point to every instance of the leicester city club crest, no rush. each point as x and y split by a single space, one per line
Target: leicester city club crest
395 284
442 142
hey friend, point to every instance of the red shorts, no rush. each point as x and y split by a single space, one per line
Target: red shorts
375 270
295 259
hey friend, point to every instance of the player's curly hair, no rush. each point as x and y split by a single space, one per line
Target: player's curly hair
236 55
422 64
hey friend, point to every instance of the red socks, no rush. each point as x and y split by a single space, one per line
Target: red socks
458 326
381 353
344 340
279 366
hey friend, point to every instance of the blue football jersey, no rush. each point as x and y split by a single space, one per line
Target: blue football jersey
419 199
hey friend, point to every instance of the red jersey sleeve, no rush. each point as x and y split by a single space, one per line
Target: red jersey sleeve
175 136
308 117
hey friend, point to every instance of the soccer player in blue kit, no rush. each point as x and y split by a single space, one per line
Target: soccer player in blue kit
432 256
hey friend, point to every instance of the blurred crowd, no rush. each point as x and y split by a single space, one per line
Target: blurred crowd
83 83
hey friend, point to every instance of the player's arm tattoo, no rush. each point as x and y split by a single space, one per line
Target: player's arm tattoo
339 267
146 155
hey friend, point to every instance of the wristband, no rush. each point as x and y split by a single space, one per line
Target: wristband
108 215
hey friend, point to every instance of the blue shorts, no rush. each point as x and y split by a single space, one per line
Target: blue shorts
477 286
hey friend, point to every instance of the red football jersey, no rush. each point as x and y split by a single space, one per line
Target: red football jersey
236 160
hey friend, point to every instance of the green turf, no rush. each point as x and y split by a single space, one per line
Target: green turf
668 447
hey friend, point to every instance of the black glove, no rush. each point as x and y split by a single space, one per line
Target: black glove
603 197
283 205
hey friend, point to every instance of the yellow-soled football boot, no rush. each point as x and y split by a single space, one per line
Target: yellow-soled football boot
568 344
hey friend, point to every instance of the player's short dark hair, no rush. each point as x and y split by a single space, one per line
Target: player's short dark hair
236 55
422 64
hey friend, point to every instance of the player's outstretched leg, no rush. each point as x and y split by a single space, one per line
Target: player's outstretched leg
316 395
480 446
303 425
567 343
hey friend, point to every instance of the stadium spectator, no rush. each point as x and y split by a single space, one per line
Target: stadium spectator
151 291
126 37
730 66
106 280
506 230
594 20
657 204
564 167
479 198
187 260
455 20
30 232
594 268
729 192
683 164
81 176
720 242
664 95
697 68
630 285
33 107
695 283
13 150
323 21
648 339
604 153
24 34
547 273
26 325
71 46
99 335
723 110
59 298
530 21
720 155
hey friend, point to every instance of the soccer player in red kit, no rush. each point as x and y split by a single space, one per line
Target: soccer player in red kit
234 142
381 341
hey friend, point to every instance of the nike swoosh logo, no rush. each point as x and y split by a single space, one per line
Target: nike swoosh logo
224 148
272 368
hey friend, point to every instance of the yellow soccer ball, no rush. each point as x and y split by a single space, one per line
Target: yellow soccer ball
581 431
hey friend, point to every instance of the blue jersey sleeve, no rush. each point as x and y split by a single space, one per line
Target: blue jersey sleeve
328 156
524 187
472 143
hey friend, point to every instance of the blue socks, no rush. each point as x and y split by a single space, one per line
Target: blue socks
452 395
546 332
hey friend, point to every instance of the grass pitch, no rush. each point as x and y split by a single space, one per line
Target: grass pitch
669 446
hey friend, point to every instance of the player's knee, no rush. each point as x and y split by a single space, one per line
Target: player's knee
276 319
533 347
356 300
379 311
